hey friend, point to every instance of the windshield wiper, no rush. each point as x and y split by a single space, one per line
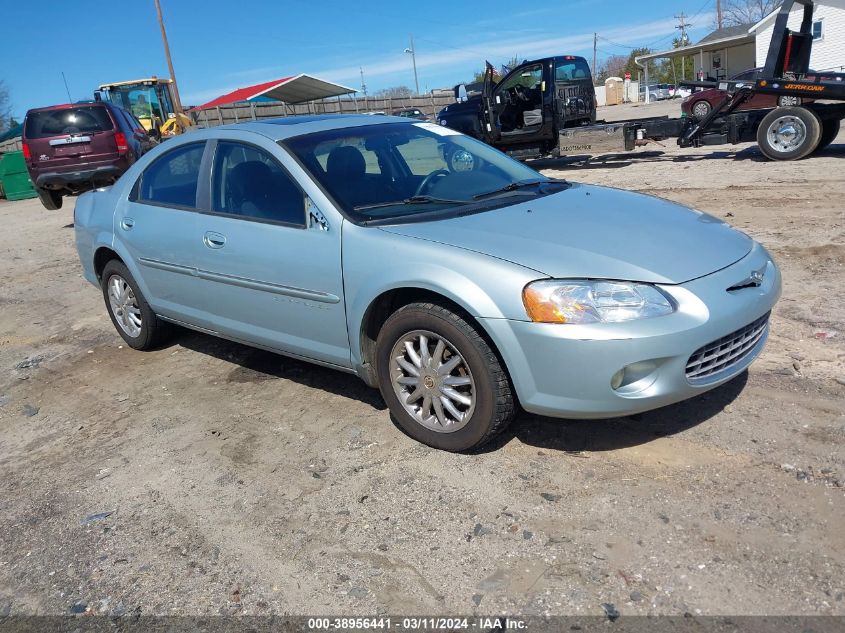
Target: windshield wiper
522 184
411 200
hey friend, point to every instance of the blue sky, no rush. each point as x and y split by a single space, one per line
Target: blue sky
220 45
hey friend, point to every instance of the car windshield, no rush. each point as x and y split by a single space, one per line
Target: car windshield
409 170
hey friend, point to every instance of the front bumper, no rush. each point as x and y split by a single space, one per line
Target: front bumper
566 370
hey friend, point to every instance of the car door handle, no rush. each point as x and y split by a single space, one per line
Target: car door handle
127 223
214 240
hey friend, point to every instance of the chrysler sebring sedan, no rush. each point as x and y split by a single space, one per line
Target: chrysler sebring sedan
460 282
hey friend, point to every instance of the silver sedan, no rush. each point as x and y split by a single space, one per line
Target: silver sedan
458 281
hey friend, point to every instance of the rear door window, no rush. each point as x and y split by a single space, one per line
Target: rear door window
64 121
172 179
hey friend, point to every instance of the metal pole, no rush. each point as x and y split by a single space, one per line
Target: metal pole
414 62
177 102
595 47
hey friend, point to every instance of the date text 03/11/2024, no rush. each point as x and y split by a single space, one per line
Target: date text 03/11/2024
416 624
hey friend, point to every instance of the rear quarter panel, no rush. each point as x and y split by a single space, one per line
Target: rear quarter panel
93 227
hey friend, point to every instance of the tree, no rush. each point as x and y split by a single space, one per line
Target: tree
395 92
5 108
739 12
631 65
613 66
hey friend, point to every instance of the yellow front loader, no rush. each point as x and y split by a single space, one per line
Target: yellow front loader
151 100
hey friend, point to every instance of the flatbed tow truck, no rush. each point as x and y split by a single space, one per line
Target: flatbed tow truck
783 133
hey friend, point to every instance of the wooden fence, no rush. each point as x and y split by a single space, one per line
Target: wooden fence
234 113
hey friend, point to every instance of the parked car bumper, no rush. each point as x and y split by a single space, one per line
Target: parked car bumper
567 370
82 176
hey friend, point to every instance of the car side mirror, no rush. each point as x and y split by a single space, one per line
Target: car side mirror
462 93
154 133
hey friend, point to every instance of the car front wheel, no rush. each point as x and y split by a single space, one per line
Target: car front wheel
701 110
443 383
130 313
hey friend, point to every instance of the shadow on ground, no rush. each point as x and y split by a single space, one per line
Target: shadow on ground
616 161
616 433
251 365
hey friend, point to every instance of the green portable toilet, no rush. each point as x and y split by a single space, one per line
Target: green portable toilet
14 178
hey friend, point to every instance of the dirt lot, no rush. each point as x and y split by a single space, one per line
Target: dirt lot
243 482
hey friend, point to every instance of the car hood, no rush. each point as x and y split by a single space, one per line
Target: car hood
594 232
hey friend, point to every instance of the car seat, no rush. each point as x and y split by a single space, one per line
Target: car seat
345 169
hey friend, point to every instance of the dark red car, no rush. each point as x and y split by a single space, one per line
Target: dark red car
75 147
699 104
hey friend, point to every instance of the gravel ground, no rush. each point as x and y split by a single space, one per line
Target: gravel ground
210 478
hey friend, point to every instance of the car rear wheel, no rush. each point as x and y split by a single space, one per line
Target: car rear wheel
789 133
52 200
130 313
701 109
830 130
443 383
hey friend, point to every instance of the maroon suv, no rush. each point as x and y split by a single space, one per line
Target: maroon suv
80 146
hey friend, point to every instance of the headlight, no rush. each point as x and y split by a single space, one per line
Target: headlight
565 301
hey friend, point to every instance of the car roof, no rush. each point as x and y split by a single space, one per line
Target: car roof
66 106
288 127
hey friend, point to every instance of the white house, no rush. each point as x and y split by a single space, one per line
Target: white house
729 51
828 36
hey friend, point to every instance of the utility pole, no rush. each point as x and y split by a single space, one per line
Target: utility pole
682 27
413 53
595 48
719 13
177 102
363 85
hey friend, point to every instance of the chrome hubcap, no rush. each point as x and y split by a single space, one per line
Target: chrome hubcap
124 306
787 133
432 381
701 110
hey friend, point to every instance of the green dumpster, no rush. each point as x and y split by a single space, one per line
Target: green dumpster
14 178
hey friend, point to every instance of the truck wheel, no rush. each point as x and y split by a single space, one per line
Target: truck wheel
441 380
830 130
789 133
52 200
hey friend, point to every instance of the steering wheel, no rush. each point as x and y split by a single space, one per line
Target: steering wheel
426 183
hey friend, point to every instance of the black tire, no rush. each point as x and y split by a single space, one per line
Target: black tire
830 130
153 331
494 406
52 200
806 119
700 109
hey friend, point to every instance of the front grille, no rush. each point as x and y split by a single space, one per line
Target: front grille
720 355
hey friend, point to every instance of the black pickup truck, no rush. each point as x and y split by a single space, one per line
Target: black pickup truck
523 113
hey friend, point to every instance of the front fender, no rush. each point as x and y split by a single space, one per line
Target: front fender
375 262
